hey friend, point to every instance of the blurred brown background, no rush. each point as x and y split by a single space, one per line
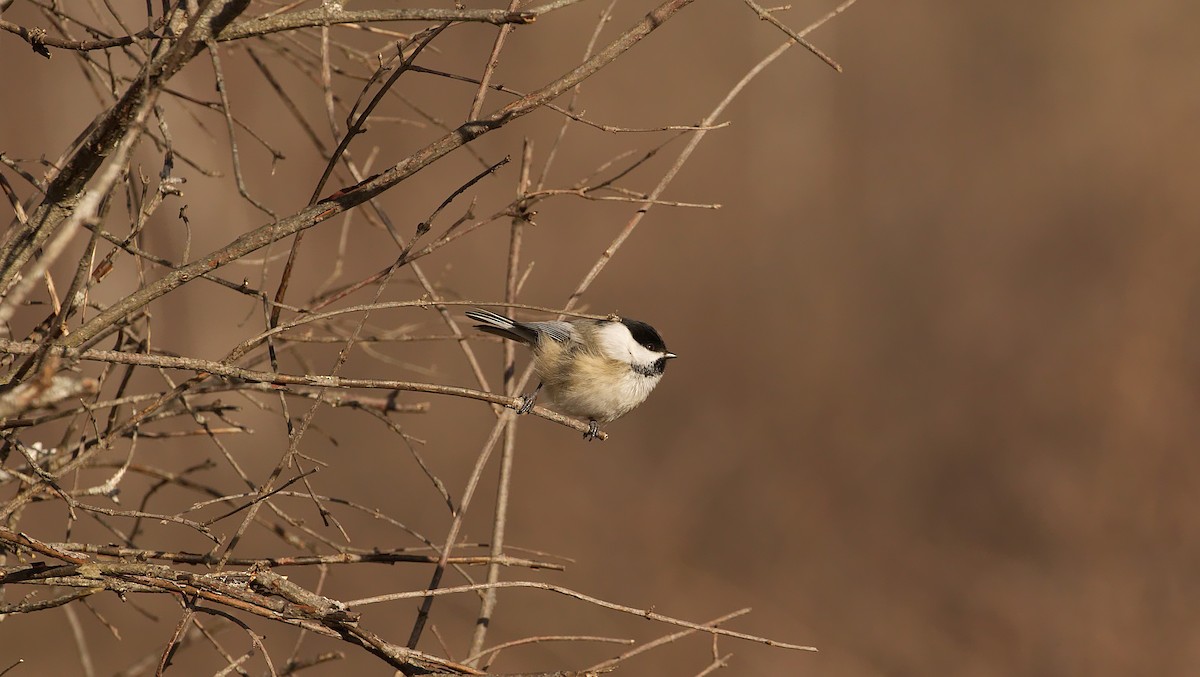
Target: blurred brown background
936 406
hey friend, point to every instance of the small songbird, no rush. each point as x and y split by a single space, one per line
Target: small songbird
597 369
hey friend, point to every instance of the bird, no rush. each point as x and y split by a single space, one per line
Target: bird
596 369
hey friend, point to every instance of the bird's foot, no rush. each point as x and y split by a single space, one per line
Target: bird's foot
528 400
526 404
593 431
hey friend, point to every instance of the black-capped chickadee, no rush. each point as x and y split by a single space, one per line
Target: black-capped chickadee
598 369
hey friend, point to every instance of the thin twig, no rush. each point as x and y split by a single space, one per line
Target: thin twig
487 606
613 606
767 16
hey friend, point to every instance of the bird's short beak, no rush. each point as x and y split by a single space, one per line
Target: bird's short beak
670 355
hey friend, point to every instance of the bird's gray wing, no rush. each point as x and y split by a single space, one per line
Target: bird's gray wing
525 332
560 332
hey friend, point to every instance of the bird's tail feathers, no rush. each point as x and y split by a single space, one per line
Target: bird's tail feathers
504 327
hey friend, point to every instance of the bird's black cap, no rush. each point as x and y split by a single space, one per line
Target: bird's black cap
646 335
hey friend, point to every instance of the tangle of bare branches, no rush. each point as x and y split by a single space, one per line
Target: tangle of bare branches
122 439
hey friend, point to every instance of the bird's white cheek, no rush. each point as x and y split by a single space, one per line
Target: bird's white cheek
616 342
640 355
